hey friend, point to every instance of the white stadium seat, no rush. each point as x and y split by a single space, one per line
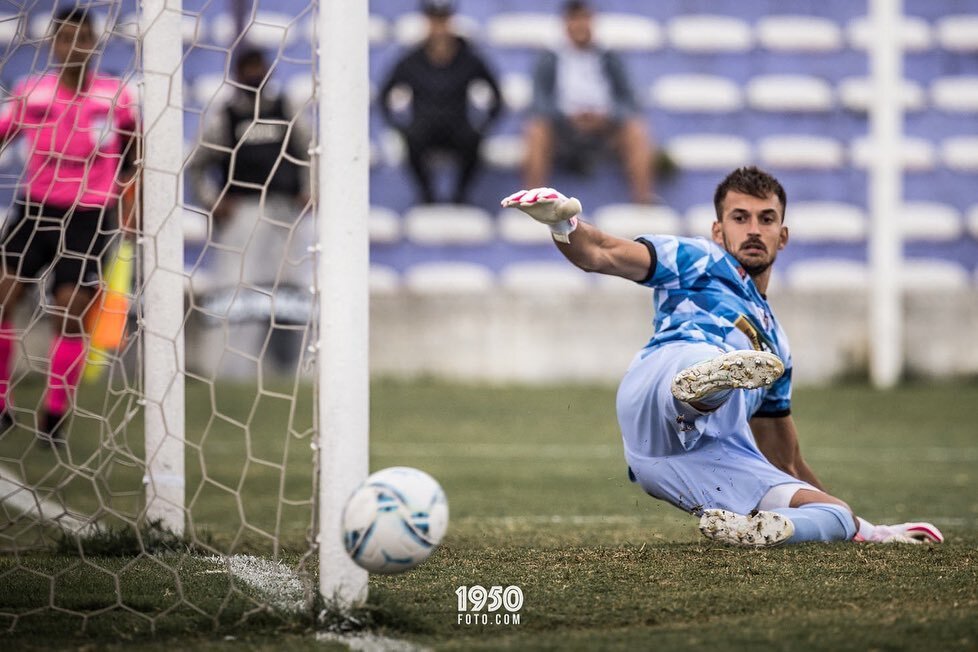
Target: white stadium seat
973 221
627 32
956 94
448 278
801 152
517 227
828 274
384 225
824 221
517 90
298 90
631 220
917 154
196 227
855 94
524 30
931 221
211 89
709 33
960 153
411 29
798 34
696 93
383 280
915 33
9 26
699 220
378 30
927 275
789 93
538 277
193 27
268 29
958 33
447 224
504 151
709 151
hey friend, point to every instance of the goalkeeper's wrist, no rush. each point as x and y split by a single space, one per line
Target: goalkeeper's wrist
561 231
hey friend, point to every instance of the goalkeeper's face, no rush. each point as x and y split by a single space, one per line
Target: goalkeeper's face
73 44
752 229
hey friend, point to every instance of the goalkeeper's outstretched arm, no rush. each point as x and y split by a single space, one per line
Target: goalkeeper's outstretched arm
583 244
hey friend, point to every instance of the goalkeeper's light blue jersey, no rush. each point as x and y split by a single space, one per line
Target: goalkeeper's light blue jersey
702 294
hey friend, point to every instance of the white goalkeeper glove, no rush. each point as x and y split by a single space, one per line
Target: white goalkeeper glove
549 207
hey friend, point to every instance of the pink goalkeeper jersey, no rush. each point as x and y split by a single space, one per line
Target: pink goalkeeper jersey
74 141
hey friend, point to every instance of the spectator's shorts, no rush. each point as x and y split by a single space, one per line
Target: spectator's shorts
69 244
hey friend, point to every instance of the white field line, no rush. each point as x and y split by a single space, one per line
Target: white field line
16 494
281 587
636 519
369 642
940 454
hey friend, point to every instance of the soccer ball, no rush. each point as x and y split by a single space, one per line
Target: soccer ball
394 520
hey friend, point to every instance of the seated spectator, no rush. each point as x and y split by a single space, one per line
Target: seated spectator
582 103
439 73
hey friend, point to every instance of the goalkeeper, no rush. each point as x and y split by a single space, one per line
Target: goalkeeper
79 129
705 407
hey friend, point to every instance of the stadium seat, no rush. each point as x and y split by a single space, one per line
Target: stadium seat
915 33
794 93
411 29
955 94
828 274
927 275
538 277
818 221
193 27
958 33
692 93
384 225
378 29
524 30
628 32
798 34
211 89
931 221
298 90
699 221
855 93
383 280
706 33
268 29
972 220
504 151
631 220
801 152
709 151
607 284
918 154
960 153
517 90
196 228
517 228
393 151
447 224
448 278
9 26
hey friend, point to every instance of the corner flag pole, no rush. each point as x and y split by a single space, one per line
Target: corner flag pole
343 204
885 193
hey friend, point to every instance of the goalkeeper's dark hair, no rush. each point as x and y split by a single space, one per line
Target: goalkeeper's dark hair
250 55
74 15
751 181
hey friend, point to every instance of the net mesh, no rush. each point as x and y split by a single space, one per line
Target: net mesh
74 536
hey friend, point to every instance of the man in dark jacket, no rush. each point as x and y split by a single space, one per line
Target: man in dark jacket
582 102
438 74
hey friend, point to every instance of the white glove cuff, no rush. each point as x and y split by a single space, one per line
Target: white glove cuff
561 230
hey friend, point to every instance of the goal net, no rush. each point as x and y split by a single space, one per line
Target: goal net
159 445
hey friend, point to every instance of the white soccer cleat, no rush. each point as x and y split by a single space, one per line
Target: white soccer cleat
912 533
734 370
755 530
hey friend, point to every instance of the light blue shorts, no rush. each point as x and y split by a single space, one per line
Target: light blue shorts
677 454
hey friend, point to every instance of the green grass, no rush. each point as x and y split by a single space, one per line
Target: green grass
539 499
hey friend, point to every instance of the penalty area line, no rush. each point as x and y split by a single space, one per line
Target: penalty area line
16 494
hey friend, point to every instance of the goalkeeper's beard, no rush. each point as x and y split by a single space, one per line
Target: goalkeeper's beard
752 267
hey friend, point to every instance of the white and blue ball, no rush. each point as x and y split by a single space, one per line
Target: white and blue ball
394 520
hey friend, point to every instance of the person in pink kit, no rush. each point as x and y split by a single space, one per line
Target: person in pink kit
79 129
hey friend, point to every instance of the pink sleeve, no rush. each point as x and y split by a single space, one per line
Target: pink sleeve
126 109
11 111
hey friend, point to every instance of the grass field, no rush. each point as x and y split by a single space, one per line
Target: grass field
539 500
